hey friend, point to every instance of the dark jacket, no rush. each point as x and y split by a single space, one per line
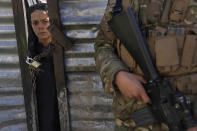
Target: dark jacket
46 95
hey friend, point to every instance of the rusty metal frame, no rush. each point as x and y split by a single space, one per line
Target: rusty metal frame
21 29
58 60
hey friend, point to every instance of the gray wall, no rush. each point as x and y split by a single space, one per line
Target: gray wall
90 106
12 110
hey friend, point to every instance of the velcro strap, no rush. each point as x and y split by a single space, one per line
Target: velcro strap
143 117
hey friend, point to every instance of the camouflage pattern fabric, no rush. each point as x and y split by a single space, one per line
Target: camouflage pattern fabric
108 64
147 128
109 61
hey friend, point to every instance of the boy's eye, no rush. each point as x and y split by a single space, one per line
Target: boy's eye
45 21
35 23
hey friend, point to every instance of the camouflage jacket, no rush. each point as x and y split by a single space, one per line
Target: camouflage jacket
107 61
111 57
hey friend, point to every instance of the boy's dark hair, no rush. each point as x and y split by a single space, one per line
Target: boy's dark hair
33 40
38 6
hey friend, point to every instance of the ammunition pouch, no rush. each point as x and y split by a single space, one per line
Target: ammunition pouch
166 49
186 84
174 53
178 10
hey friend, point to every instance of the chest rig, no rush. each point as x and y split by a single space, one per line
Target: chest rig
170 28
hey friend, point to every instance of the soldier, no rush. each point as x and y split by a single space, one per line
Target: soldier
171 35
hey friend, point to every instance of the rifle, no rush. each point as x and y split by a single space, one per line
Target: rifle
168 105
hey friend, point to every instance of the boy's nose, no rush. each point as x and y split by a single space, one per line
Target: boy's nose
40 25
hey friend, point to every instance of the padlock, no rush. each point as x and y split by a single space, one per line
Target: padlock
32 62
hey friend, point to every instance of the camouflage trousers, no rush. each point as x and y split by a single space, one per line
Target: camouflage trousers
123 107
148 128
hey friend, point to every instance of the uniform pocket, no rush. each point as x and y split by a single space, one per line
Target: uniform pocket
167 55
189 56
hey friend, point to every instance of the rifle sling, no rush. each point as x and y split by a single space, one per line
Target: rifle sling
58 60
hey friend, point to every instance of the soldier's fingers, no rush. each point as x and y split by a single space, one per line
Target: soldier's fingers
145 98
139 98
141 79
192 129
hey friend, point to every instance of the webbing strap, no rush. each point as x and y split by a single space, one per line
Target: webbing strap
58 60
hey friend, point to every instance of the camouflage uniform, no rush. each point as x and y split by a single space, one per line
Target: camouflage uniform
173 46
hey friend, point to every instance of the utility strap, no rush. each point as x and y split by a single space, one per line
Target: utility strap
58 60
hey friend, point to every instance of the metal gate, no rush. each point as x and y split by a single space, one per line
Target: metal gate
90 107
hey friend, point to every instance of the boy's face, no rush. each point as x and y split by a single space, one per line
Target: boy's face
40 22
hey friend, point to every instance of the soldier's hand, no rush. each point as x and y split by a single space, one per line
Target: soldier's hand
130 86
192 129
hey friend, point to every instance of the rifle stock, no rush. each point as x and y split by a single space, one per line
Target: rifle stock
126 28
